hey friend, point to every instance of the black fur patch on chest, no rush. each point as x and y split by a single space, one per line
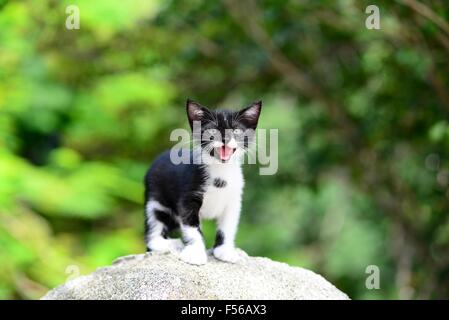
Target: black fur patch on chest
219 183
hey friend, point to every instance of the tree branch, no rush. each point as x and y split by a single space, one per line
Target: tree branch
427 12
246 13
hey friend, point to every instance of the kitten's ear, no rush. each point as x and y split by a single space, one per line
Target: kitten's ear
195 111
251 114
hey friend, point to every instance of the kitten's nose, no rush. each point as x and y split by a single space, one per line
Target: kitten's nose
227 137
232 143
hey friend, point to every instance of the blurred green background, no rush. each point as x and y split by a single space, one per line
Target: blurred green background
363 133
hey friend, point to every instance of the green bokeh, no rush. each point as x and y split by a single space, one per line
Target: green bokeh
363 175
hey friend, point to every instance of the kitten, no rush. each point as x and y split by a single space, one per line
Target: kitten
210 186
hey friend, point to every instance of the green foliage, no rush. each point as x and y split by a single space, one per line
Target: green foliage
362 118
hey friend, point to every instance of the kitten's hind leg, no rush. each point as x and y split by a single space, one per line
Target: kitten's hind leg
155 230
163 245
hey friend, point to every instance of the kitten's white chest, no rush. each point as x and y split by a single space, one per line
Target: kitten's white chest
224 186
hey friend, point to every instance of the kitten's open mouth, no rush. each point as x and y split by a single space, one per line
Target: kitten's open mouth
224 152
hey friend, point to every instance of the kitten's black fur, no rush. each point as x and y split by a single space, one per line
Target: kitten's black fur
178 187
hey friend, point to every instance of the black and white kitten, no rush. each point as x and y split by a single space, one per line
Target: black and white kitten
210 186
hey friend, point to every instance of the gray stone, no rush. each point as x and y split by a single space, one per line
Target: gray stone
164 276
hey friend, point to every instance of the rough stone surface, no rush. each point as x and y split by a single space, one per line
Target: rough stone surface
164 276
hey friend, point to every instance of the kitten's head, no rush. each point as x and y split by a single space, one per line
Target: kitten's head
224 135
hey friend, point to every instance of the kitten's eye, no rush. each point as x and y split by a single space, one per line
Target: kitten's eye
212 131
238 131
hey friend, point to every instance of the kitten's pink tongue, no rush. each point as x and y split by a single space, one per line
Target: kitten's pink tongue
226 153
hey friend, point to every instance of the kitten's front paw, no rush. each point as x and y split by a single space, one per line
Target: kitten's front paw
194 255
227 254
